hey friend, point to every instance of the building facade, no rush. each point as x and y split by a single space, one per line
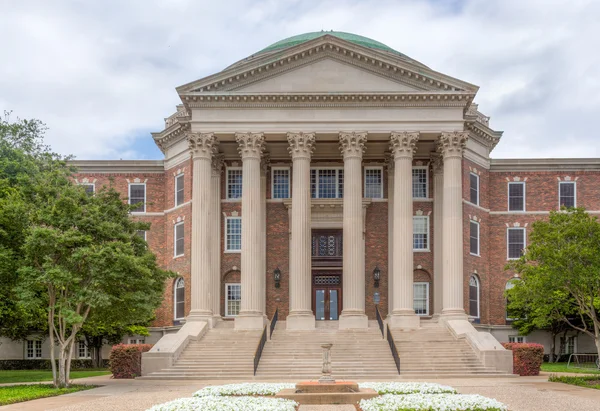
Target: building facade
329 176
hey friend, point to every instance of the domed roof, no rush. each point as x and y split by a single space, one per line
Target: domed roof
353 38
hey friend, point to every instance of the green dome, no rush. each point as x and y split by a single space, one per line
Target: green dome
353 38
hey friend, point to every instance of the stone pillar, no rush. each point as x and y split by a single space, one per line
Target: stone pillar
403 146
437 165
251 146
352 146
389 160
264 168
301 316
215 230
202 146
451 146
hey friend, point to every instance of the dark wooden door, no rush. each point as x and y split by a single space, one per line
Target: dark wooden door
327 295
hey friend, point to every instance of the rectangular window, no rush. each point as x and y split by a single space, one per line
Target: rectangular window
34 349
373 182
137 195
89 189
516 339
136 341
327 182
516 196
234 182
567 194
82 350
516 242
280 178
233 230
419 182
141 234
233 293
179 239
568 346
179 181
474 238
421 298
474 188
421 233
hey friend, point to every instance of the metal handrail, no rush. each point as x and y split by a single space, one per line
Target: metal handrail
379 321
393 348
259 349
273 322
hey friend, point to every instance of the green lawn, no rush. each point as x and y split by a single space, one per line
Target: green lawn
19 393
562 367
43 375
588 381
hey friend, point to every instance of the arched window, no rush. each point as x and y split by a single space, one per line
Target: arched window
510 284
179 299
474 296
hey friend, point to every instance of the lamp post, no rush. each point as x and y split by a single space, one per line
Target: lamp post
376 276
277 277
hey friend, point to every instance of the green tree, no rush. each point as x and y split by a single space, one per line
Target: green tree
560 274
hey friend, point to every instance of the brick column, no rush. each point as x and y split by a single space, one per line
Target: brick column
352 146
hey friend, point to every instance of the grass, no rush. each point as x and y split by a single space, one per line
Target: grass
562 367
7 376
19 393
587 381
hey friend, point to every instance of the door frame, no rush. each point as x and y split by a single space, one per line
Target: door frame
327 287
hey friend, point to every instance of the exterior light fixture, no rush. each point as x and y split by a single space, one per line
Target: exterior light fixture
376 276
277 277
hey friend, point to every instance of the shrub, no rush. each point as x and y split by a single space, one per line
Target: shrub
76 364
125 360
527 358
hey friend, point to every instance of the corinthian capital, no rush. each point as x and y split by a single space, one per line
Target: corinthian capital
403 144
202 145
302 145
389 162
452 143
437 163
217 163
352 144
251 145
265 161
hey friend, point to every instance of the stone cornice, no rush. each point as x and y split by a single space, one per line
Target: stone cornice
171 133
483 134
118 166
545 164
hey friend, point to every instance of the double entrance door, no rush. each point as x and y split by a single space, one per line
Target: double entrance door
327 295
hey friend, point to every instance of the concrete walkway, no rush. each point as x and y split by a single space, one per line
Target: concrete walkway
520 394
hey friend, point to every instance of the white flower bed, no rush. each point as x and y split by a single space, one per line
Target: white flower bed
211 403
244 389
425 402
408 388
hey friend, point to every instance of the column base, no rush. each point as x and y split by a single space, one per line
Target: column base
453 314
250 321
353 320
199 315
300 321
405 321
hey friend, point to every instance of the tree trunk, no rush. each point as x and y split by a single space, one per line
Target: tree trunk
52 357
62 367
553 349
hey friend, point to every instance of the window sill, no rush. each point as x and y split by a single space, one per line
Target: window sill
517 211
175 257
231 200
476 255
232 251
421 250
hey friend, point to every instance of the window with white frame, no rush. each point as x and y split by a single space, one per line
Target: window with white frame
33 349
515 242
327 182
137 195
568 345
516 196
179 299
178 244
137 341
373 182
474 188
280 177
517 339
474 238
567 194
419 182
421 233
510 314
234 182
141 234
179 182
421 298
474 296
233 293
233 232
82 349
89 188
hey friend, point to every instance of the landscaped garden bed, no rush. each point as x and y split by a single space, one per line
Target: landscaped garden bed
587 381
18 393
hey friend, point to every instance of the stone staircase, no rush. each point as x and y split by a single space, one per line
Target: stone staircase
432 351
355 355
223 353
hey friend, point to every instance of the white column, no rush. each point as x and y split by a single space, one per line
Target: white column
264 168
352 146
202 146
251 146
437 164
301 316
215 229
390 168
403 146
451 146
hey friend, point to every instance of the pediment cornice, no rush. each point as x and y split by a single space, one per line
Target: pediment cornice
171 134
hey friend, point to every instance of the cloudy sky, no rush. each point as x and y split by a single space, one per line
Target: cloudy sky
102 74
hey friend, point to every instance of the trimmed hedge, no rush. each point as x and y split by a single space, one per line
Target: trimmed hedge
125 360
527 357
15 365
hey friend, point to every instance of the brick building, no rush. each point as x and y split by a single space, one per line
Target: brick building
327 177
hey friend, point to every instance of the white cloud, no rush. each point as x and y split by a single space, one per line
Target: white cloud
101 74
